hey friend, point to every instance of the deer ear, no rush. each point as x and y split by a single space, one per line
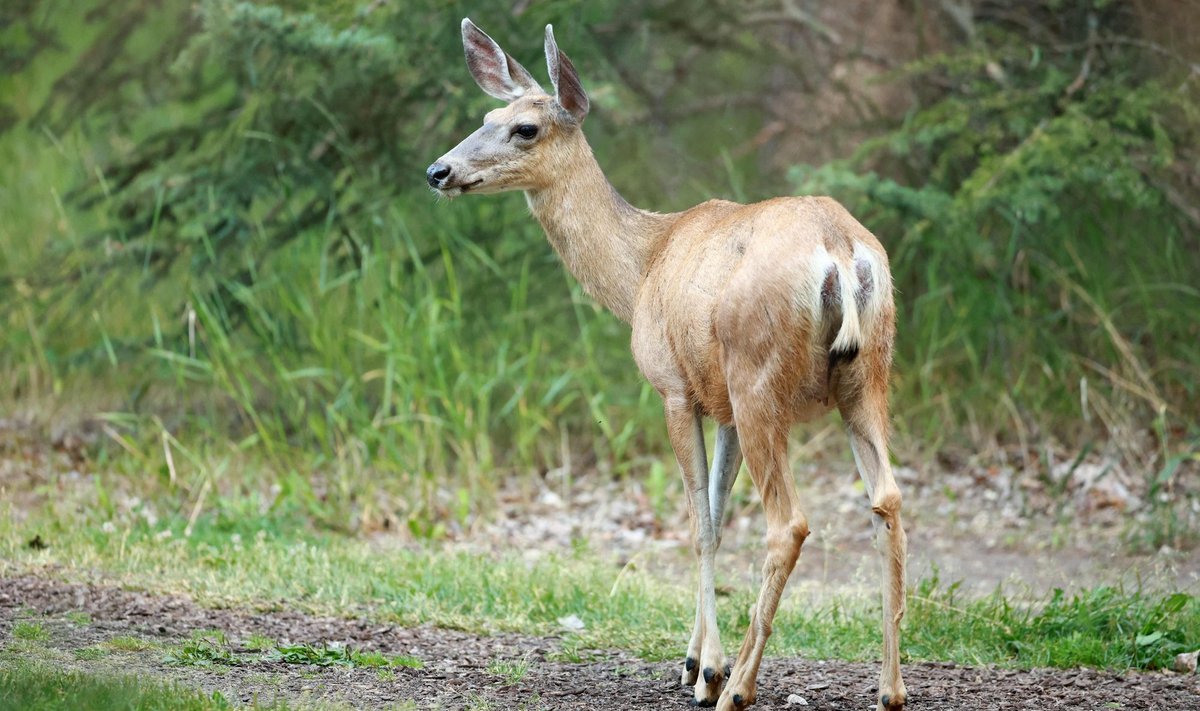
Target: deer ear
567 88
497 73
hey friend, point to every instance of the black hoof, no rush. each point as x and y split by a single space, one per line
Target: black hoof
704 704
737 700
689 664
709 675
885 700
728 670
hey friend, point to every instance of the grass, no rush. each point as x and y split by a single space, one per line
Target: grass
90 654
335 575
325 656
38 687
210 648
396 387
31 631
127 643
510 671
390 371
204 649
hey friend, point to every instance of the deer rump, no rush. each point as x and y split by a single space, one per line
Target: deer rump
792 296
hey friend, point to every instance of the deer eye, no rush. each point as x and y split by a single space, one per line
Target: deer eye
526 130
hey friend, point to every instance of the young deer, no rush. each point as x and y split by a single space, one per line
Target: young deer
758 316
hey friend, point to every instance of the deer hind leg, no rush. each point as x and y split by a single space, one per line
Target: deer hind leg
765 448
865 413
727 460
704 667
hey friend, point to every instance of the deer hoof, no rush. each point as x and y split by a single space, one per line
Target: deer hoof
892 702
735 701
708 687
690 672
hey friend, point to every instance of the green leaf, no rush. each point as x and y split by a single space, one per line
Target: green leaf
1176 602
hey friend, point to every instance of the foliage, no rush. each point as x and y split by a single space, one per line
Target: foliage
325 656
216 232
207 648
204 649
256 254
1042 252
1100 627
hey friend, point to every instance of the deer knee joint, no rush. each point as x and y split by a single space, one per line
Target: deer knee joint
799 529
791 535
886 505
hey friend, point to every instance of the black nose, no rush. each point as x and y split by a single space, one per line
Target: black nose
437 174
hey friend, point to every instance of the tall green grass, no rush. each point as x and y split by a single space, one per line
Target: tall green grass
400 386
396 369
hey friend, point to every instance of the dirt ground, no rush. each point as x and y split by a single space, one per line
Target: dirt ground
980 528
456 676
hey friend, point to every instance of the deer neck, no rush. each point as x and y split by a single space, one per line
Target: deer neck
605 242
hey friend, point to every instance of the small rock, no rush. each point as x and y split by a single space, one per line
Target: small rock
1186 663
571 623
1099 485
796 700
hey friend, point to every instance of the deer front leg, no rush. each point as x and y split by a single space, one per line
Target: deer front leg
704 668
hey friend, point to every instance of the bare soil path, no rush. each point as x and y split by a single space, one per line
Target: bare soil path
456 672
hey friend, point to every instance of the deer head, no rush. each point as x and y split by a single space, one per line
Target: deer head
520 146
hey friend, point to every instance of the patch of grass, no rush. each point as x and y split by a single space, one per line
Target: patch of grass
1104 627
128 643
38 687
31 631
212 649
323 656
88 654
259 643
333 655
512 672
379 659
205 649
573 650
32 650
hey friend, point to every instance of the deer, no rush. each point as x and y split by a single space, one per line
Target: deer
756 316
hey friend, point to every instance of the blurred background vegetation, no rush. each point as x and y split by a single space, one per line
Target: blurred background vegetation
218 255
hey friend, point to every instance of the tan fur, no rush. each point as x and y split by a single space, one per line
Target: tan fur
737 314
